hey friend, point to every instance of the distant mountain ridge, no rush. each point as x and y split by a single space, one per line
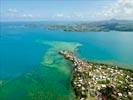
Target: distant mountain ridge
107 25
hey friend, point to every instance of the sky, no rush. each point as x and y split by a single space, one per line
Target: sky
65 10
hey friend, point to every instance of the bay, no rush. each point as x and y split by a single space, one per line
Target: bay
31 68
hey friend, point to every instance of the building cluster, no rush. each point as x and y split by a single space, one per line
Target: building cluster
100 81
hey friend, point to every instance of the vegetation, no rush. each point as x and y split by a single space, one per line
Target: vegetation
102 81
111 25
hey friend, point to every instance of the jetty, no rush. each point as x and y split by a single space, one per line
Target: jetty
97 81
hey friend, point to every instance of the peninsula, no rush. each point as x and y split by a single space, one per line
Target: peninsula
95 81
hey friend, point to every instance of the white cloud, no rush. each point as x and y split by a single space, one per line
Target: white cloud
27 15
78 15
69 16
60 15
122 9
12 12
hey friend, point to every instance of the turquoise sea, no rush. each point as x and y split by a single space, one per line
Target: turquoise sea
32 69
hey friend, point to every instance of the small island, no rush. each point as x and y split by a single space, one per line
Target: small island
97 81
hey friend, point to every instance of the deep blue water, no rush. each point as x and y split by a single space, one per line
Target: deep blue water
19 52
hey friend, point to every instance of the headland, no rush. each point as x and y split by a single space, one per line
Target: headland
97 81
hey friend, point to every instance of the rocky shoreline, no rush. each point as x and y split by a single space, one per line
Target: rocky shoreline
95 81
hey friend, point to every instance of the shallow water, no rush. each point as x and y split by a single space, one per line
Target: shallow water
50 81
30 67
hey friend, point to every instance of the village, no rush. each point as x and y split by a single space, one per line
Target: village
97 81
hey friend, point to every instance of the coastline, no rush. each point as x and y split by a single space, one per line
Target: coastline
97 81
